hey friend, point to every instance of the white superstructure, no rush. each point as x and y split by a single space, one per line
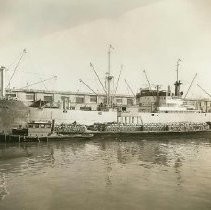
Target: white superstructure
70 116
173 111
175 104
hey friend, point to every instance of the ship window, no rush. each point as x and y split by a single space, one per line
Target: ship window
124 109
65 98
36 126
42 126
152 114
12 95
30 126
85 108
104 100
119 100
48 126
30 97
93 99
48 98
130 101
79 100
72 108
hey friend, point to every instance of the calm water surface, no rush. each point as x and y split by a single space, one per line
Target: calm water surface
168 172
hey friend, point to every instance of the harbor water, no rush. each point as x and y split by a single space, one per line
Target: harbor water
150 172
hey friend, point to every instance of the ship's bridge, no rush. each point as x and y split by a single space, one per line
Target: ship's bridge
174 102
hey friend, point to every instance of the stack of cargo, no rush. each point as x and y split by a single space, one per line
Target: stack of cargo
155 127
70 128
123 128
158 127
187 126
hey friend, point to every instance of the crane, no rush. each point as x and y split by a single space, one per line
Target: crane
16 67
148 82
204 90
130 88
117 84
88 86
147 79
190 85
91 65
54 77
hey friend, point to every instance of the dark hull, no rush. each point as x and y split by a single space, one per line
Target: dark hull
12 115
4 138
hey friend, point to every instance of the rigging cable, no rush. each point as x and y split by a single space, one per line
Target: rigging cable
16 67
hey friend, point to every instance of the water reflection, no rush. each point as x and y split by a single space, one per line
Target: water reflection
143 153
136 166
3 186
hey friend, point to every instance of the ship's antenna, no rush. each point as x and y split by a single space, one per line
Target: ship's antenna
190 85
16 67
88 86
109 77
91 65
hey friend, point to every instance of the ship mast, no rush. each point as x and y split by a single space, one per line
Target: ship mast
2 68
109 77
177 83
178 70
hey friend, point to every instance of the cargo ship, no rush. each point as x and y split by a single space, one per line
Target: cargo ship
21 106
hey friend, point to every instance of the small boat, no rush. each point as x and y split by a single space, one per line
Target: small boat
41 131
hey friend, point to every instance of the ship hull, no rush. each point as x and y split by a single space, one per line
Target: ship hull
164 118
13 114
70 116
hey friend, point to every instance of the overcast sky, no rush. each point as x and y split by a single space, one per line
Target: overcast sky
62 37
